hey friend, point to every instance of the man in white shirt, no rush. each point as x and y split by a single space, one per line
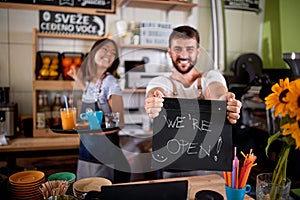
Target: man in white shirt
187 82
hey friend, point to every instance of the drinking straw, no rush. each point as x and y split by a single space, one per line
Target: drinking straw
235 170
238 178
66 102
233 182
229 178
245 171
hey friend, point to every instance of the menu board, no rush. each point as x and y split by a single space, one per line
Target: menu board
71 23
104 6
191 134
248 5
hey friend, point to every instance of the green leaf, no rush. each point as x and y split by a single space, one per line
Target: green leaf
271 139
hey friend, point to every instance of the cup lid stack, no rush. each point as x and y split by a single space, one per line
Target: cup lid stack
25 185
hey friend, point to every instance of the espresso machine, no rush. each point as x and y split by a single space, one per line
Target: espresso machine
8 114
293 60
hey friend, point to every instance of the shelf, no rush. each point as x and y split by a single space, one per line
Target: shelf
53 85
162 48
68 36
137 90
161 5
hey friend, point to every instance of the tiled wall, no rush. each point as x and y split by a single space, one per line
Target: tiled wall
16 41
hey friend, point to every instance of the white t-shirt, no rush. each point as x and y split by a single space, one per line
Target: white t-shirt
186 92
109 87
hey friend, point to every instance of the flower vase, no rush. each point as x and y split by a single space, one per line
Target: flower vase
266 190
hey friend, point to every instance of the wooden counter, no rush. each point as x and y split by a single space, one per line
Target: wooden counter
34 147
196 183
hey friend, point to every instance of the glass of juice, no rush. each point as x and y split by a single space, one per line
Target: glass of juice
68 118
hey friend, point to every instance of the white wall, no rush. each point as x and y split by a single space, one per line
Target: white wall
16 41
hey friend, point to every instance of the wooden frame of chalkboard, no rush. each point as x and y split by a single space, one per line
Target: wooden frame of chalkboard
75 6
191 134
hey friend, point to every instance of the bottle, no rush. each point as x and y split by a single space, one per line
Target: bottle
47 110
40 114
55 111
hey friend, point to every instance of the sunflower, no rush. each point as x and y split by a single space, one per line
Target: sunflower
278 98
292 129
294 99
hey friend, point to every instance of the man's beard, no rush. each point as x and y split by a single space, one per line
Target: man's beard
186 70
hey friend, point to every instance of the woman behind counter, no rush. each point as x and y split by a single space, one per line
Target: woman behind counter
101 155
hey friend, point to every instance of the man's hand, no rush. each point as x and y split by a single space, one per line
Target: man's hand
233 108
154 102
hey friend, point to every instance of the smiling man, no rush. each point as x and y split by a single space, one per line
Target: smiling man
186 81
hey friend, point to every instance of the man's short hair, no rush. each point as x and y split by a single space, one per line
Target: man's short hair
185 32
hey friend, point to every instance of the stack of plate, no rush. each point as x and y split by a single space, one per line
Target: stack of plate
25 185
85 185
64 176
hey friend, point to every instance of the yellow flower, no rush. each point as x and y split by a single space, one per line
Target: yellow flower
278 98
292 129
286 102
294 99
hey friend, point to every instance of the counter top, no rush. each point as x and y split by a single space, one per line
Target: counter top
36 144
196 183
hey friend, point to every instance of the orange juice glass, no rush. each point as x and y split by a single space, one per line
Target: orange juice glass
68 118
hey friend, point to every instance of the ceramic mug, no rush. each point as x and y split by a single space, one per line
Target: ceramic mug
237 194
94 118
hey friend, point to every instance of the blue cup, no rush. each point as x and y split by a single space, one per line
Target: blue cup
237 194
94 118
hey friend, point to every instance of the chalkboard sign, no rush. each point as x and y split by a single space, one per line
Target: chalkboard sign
191 134
71 23
104 6
248 5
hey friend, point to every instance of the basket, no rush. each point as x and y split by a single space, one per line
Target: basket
48 65
70 59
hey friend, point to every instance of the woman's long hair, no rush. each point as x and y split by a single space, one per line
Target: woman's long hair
89 68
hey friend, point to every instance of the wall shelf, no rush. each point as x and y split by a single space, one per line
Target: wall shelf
134 46
129 90
68 36
156 4
59 85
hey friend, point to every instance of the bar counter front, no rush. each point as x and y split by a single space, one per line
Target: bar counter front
31 147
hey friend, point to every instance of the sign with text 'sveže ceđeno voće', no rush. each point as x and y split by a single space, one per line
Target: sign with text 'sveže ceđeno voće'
71 23
191 134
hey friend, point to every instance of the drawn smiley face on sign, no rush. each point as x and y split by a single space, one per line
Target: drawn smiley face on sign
159 157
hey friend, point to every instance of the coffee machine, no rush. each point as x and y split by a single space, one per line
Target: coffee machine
293 60
8 113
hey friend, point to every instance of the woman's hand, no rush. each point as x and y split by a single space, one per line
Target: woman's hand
73 72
